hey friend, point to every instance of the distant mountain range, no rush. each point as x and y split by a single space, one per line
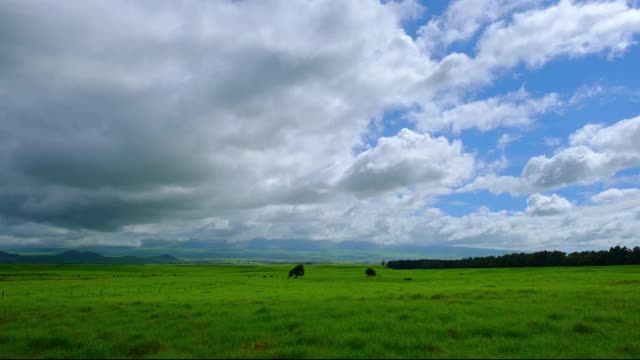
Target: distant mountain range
84 257
255 250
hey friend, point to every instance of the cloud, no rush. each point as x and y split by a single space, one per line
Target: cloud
569 229
238 119
615 195
542 205
463 19
552 141
515 109
407 9
577 164
534 37
387 219
597 152
106 106
621 137
587 92
568 28
495 184
406 159
506 139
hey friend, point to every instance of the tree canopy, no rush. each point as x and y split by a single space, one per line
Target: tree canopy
297 271
615 256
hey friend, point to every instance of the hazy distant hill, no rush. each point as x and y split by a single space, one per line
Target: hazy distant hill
84 257
286 250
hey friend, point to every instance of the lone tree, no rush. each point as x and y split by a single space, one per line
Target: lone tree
297 271
370 272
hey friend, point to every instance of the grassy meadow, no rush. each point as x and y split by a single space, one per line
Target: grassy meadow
334 311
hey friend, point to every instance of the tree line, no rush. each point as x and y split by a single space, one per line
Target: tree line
614 256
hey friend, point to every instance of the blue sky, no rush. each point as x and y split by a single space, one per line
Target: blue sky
619 75
508 124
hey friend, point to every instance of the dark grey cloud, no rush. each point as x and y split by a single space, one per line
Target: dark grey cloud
120 113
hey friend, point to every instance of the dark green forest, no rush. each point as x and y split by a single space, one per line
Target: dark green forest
614 256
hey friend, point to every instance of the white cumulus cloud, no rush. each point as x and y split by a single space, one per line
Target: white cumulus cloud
542 205
615 195
597 152
406 159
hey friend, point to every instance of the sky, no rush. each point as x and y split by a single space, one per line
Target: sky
508 124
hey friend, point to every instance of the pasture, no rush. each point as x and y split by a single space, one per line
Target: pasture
334 311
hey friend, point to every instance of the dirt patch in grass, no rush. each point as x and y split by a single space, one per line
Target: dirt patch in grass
628 349
448 298
294 326
453 334
624 282
259 345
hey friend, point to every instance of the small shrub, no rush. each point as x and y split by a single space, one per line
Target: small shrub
258 345
453 333
370 272
581 328
555 316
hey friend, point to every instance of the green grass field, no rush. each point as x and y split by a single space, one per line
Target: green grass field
254 311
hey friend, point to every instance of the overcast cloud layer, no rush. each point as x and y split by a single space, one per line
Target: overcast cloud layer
121 121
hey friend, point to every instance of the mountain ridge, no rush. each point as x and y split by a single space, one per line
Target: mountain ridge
273 250
85 257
